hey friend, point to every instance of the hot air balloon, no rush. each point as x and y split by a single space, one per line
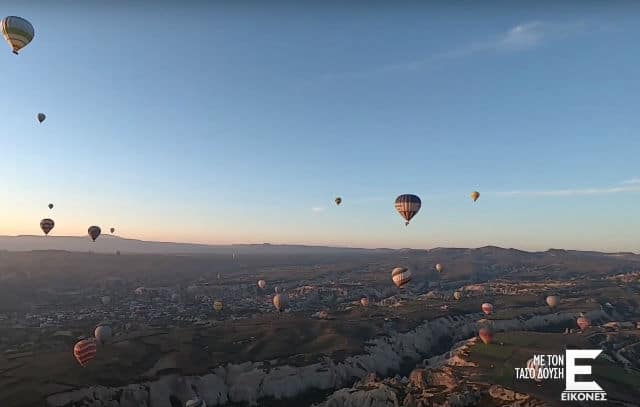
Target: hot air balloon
408 206
262 284
364 301
457 295
400 276
487 308
102 334
94 232
338 201
196 403
85 351
50 206
475 195
278 302
553 301
534 370
112 230
486 335
17 31
439 268
41 117
105 300
46 225
217 306
583 322
139 291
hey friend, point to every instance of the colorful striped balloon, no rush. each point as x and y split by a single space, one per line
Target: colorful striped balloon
408 206
400 276
17 31
85 351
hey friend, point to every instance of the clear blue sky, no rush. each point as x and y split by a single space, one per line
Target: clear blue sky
224 123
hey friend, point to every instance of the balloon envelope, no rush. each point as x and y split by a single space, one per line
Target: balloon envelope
534 370
457 295
17 31
262 284
196 403
217 306
47 225
278 302
338 201
408 206
487 308
41 117
486 335
102 333
94 232
583 323
112 230
85 351
50 206
439 268
475 195
400 276
553 301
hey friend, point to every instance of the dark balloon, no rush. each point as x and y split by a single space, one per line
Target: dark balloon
408 206
46 225
94 232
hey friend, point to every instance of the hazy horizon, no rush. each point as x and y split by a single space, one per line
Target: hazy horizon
246 130
337 246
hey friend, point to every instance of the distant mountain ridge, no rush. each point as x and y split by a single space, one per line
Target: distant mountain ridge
110 244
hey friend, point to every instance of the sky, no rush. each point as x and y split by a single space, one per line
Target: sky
213 122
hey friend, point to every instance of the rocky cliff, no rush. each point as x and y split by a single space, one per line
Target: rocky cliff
249 382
